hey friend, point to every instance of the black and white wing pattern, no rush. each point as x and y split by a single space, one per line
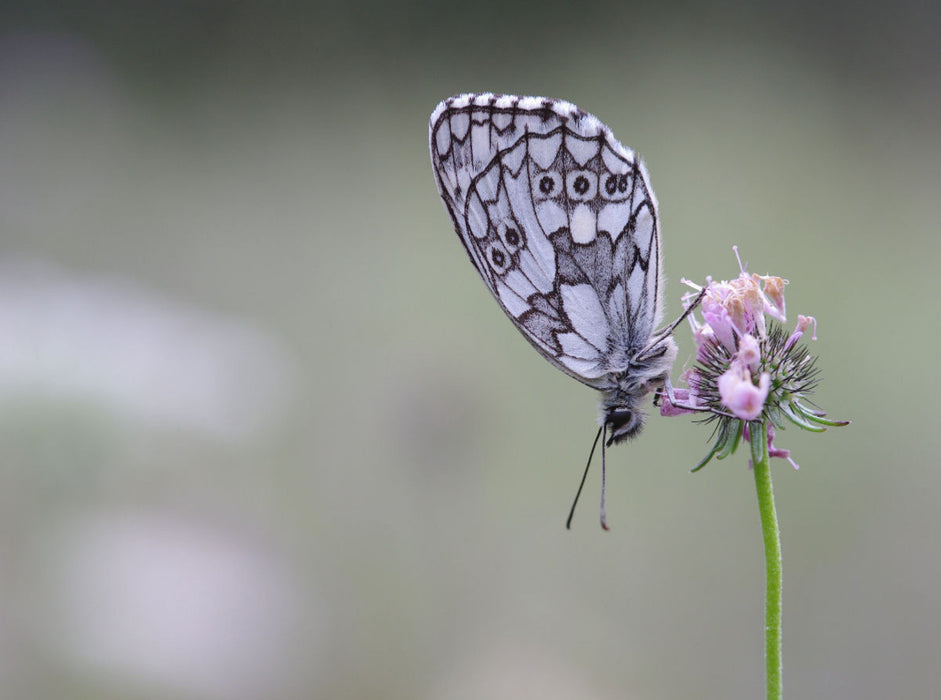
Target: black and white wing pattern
561 223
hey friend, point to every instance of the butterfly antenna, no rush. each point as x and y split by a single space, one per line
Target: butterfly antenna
604 520
568 523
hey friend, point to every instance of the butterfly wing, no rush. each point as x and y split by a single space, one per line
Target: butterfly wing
559 220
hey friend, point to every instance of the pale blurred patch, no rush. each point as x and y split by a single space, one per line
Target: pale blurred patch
131 351
154 601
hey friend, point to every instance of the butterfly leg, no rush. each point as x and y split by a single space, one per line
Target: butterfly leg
673 398
666 389
660 335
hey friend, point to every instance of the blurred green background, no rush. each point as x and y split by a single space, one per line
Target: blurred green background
263 433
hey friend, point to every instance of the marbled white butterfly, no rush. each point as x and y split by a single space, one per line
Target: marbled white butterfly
561 223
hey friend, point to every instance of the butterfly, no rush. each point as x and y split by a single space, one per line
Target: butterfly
560 221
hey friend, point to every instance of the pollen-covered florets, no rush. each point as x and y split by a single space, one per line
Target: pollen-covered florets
750 374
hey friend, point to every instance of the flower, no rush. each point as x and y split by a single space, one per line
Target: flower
750 376
739 394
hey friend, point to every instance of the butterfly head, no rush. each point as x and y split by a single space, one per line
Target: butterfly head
621 414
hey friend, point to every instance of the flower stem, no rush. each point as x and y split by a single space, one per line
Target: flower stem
772 541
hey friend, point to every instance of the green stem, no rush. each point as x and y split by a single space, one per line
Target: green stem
772 538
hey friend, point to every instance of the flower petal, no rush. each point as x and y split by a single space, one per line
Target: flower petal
740 396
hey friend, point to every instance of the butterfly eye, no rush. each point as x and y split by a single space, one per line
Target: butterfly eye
616 187
546 185
511 235
623 423
581 185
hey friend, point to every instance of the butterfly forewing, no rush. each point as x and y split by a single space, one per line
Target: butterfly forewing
561 223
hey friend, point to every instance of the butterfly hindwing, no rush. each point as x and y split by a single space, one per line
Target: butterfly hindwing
559 220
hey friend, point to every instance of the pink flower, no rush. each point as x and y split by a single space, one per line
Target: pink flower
779 452
749 375
803 322
740 395
717 317
749 352
774 291
736 308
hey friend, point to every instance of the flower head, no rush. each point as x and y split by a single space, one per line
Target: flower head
750 374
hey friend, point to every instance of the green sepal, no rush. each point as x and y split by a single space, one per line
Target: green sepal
758 442
730 444
818 417
705 460
800 419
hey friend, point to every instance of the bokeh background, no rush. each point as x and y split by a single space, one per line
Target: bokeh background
263 433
